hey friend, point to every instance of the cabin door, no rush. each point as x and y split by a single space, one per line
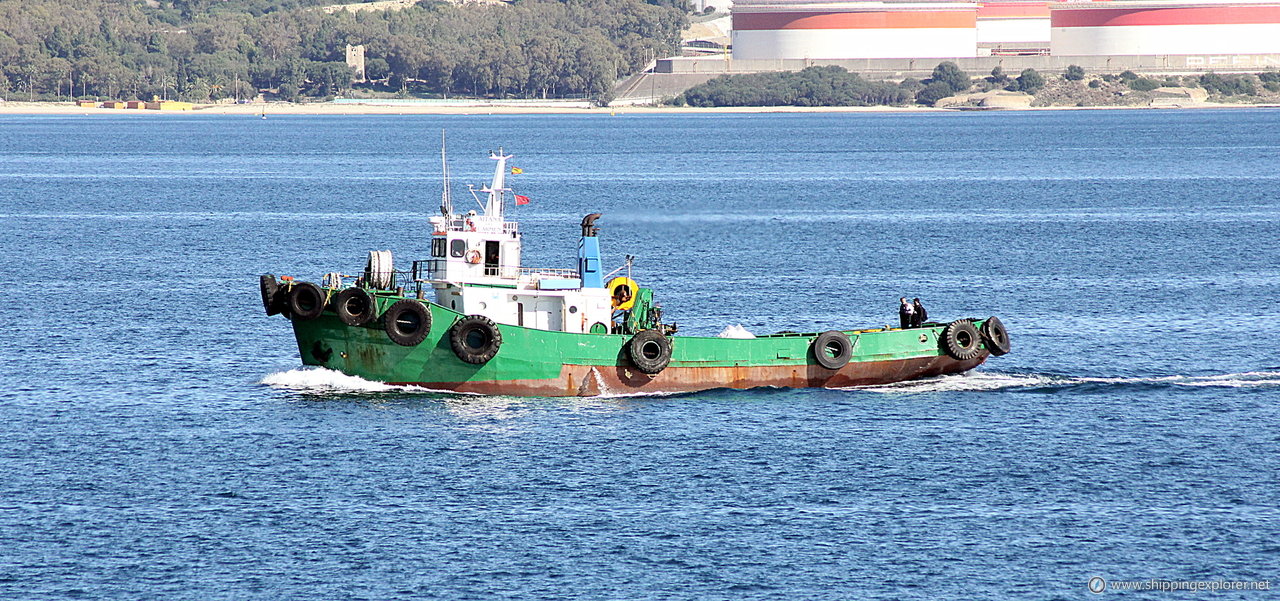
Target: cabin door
546 314
491 257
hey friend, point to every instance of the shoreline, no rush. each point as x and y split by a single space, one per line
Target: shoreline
287 108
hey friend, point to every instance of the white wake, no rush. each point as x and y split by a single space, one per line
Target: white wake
328 381
987 381
321 380
969 381
1248 379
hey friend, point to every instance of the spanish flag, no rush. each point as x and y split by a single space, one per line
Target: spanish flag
516 171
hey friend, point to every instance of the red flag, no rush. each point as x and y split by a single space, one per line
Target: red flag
522 200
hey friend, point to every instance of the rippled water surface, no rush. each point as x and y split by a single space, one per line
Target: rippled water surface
161 441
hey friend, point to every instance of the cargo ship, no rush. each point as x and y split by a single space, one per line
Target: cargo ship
472 319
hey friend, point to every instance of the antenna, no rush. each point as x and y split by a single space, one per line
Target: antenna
446 200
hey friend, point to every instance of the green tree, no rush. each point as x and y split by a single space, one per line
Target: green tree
376 68
813 86
1230 85
1074 73
933 92
950 74
1143 84
1030 81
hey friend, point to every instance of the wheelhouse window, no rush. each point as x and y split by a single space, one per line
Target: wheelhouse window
437 247
458 248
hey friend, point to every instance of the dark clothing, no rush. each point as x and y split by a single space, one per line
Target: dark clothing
906 315
920 316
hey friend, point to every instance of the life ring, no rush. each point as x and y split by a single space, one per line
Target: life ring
407 322
473 257
622 291
306 301
649 351
832 349
961 340
475 339
354 307
996 337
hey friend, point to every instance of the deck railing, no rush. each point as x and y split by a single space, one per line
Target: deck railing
434 270
469 225
427 271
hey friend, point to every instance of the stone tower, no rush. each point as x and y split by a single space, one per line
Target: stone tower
355 60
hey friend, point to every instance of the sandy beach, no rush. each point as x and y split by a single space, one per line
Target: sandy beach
288 108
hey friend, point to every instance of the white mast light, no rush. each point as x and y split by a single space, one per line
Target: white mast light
497 188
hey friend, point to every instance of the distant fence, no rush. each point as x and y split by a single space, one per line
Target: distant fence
465 102
916 67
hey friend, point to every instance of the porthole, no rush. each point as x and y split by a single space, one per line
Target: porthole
573 309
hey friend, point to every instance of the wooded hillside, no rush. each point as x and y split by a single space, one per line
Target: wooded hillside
203 50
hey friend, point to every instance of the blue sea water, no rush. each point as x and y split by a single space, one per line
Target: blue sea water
160 440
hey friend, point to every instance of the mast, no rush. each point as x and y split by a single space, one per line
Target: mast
446 199
496 188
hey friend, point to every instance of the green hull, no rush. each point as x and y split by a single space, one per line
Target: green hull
534 362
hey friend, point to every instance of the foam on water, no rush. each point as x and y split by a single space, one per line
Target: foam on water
986 381
1246 379
968 381
319 379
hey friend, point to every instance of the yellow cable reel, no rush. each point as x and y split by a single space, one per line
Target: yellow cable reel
623 291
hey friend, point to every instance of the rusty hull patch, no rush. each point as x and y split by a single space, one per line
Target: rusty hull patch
587 380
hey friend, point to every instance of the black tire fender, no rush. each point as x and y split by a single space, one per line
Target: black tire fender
273 301
996 337
355 307
832 349
306 301
961 341
649 351
407 322
475 339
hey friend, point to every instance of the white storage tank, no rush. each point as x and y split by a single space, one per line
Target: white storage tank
1013 24
804 29
1164 27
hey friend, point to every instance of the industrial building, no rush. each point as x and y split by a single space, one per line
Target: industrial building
1165 27
807 29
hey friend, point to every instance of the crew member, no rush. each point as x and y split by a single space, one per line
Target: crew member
906 313
621 294
920 315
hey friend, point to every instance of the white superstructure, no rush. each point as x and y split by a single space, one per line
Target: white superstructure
475 269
